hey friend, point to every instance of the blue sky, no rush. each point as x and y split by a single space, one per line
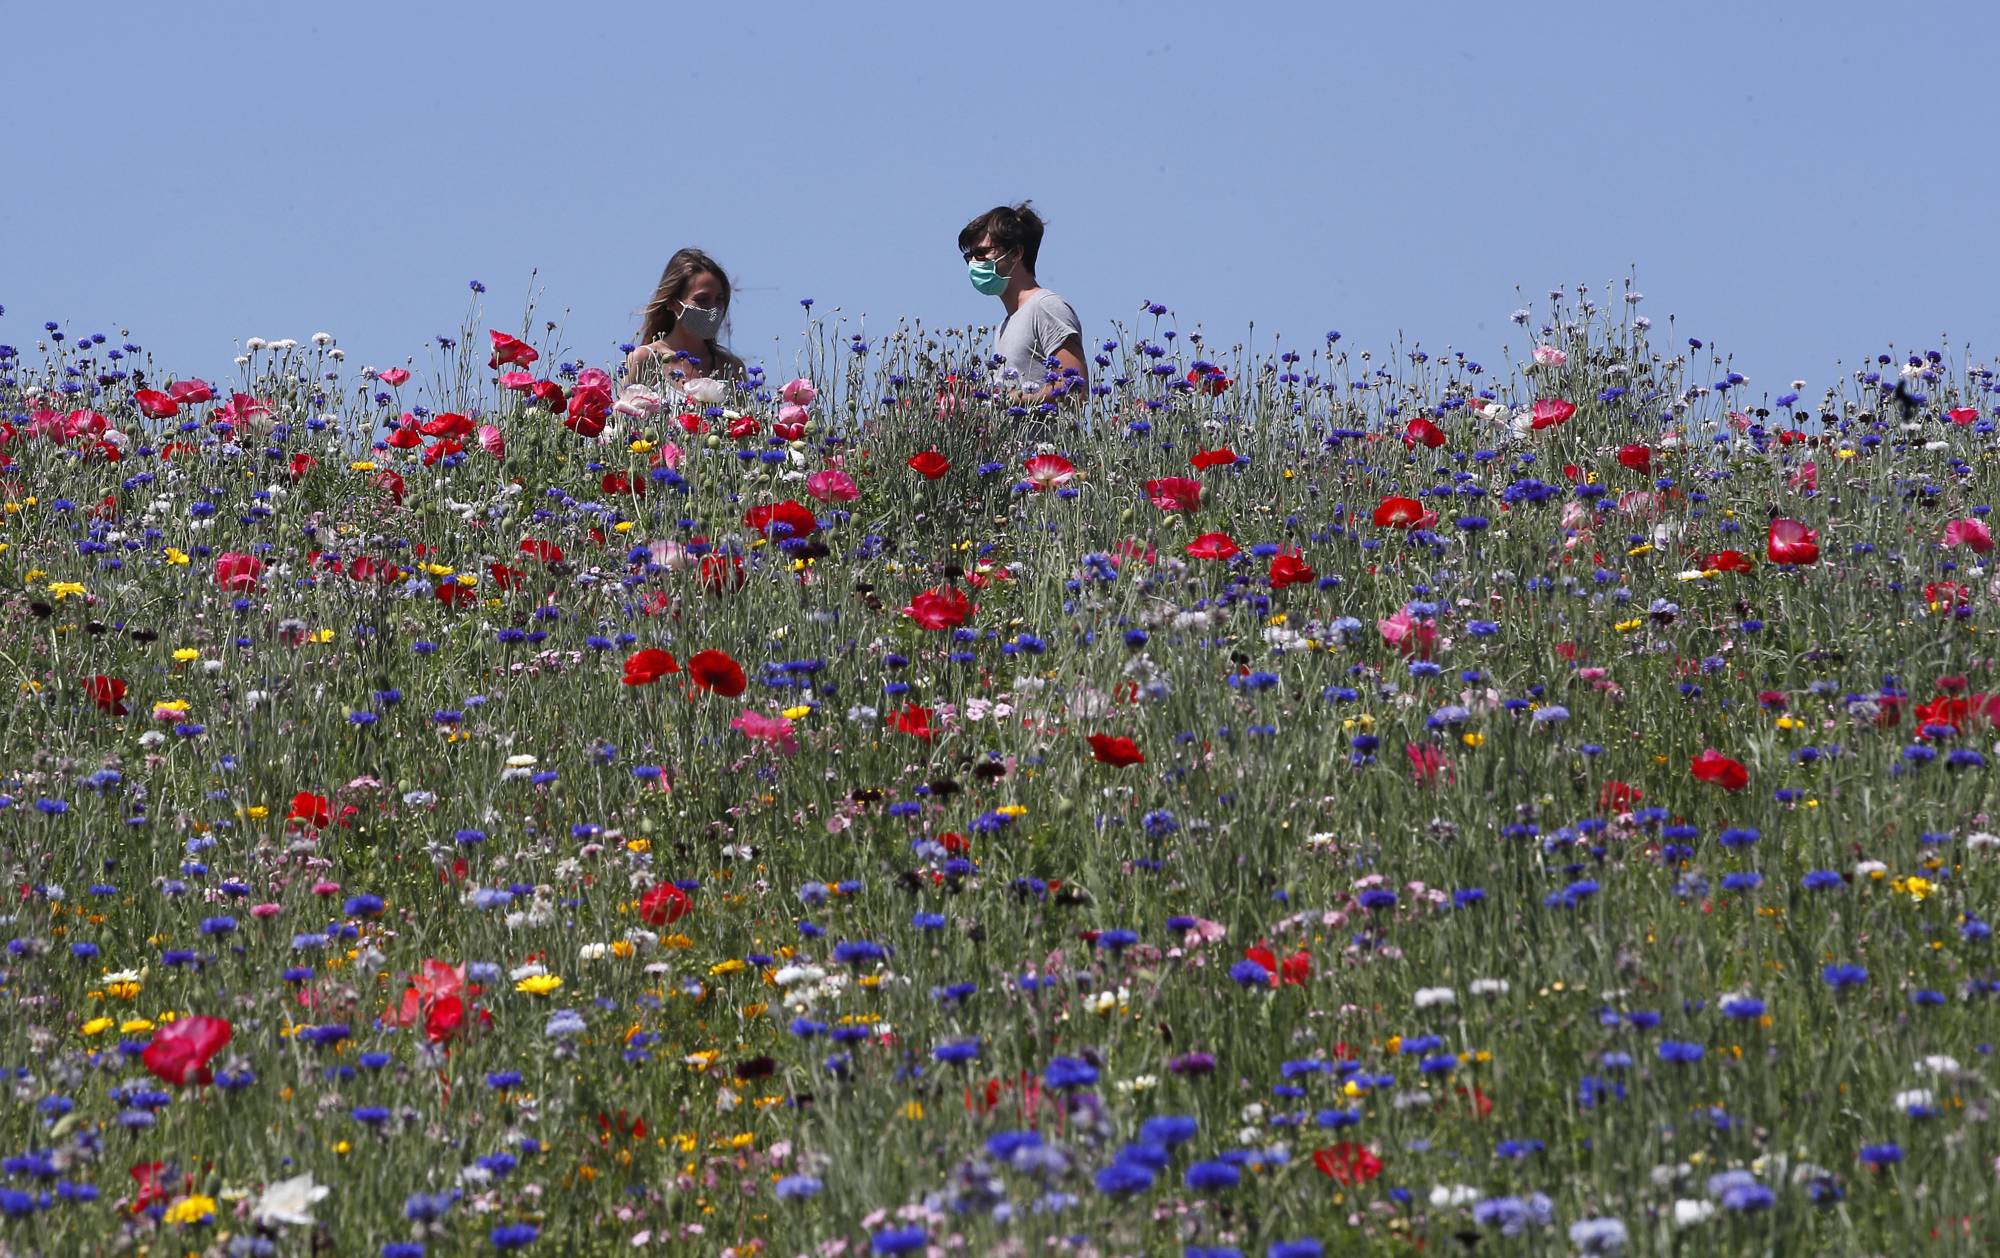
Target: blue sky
1798 183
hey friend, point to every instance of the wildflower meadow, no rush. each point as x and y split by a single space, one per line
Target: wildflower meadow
1284 798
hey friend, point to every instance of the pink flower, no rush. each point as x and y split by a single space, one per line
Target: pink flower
1407 634
1968 532
1049 471
667 456
492 441
775 730
799 392
262 911
326 888
1549 356
517 381
1806 476
1427 762
594 378
792 413
831 485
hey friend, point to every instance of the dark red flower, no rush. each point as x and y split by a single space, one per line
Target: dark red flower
719 574
547 552
914 721
1223 457
237 571
715 671
1114 751
1637 457
1727 561
930 465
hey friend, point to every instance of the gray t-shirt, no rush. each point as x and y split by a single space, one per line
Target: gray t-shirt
1029 336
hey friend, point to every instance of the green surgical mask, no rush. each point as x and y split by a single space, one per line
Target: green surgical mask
986 279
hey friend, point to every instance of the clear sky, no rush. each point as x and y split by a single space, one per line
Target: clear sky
1799 183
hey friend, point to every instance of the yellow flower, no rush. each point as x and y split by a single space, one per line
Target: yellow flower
914 1111
187 653
176 556
1627 626
61 590
623 526
134 1026
191 1210
439 569
122 989
97 1026
801 711
34 575
1644 548
320 635
257 812
731 966
361 465
538 984
1012 810
1918 889
640 446
1473 740
467 578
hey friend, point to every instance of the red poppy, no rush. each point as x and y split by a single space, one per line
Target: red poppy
1213 546
505 578
508 349
312 809
930 464
547 552
1395 512
1175 493
1294 969
1049 471
1347 1163
298 467
180 1050
1208 379
1289 570
741 427
390 483
1116 752
155 1188
1223 457
719 574
549 394
1619 796
1792 542
643 668
1549 412
106 692
444 1018
1946 593
663 904
453 594
368 568
1714 767
157 405
1963 414
1421 431
588 408
715 671
443 448
773 520
914 721
1727 561
1637 457
447 424
191 392
691 423
237 571
939 609
405 437
619 483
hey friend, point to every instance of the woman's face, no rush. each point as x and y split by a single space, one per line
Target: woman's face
704 291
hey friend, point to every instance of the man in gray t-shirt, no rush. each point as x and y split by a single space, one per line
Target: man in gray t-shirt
1039 346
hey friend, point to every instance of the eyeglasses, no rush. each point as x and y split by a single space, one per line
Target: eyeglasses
984 253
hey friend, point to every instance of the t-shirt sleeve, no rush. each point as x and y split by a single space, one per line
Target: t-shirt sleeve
1055 322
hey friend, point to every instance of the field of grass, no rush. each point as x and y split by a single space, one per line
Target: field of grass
1281 801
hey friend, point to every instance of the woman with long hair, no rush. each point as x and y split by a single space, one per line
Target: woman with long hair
678 341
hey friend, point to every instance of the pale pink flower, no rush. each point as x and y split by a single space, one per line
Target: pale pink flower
792 413
594 378
799 392
1549 356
